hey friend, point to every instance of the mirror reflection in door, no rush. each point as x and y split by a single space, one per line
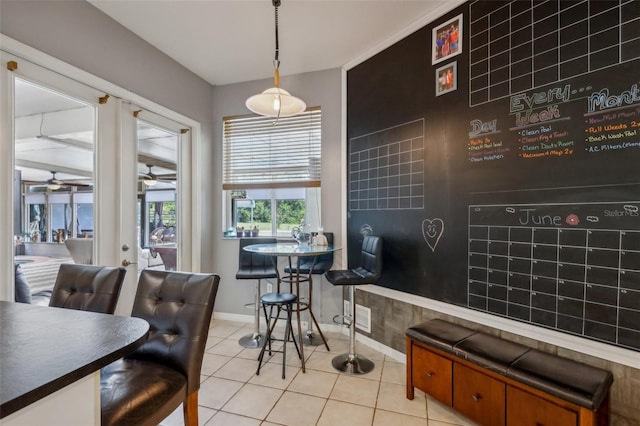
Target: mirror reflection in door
157 196
53 182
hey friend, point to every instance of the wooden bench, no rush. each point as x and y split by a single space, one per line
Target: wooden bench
497 382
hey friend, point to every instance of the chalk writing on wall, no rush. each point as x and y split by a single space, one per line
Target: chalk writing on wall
570 267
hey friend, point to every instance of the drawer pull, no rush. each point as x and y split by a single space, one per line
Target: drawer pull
431 374
476 397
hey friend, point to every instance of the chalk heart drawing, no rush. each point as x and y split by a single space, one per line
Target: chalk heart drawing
432 230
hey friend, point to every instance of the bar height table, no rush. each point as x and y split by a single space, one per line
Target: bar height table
290 251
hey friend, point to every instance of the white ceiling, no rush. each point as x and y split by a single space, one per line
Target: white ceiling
230 41
55 132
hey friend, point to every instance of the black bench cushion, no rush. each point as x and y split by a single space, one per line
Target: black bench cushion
491 352
441 334
579 383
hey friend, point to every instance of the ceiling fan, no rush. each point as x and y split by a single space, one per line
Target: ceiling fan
54 183
151 179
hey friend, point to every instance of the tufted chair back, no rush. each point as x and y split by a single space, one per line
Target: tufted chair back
88 287
253 265
323 262
370 258
178 307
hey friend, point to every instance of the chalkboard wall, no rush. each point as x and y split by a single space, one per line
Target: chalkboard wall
514 188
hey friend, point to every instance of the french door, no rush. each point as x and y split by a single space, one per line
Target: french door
114 158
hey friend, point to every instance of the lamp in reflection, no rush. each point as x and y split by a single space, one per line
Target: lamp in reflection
150 179
53 183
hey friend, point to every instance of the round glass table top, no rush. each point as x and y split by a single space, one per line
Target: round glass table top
290 249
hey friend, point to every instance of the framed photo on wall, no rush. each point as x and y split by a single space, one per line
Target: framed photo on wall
446 40
447 78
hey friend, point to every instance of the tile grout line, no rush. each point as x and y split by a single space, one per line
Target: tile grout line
308 354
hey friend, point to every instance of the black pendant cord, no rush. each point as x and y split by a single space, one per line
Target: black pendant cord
277 60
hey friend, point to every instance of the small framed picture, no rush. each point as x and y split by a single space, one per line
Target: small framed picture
447 78
447 40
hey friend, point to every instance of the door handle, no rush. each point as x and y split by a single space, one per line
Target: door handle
126 262
476 397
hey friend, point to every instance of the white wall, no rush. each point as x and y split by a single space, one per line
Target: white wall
81 35
322 88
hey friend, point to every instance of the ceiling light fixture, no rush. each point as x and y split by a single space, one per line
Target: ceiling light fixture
150 179
276 102
53 183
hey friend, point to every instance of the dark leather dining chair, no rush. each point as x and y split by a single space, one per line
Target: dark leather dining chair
253 266
146 386
369 272
88 287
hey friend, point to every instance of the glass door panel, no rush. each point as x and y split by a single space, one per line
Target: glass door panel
157 194
54 133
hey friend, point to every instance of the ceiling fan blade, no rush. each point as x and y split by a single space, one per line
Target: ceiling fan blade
77 184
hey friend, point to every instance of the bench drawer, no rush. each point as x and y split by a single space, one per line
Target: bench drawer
432 374
525 409
478 396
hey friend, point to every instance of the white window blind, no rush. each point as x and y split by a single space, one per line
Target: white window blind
259 154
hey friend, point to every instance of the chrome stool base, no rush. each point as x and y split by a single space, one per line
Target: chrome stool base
352 364
252 340
311 339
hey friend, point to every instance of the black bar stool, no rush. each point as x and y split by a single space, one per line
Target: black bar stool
368 272
252 266
282 302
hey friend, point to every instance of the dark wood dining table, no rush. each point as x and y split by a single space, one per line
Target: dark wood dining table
44 350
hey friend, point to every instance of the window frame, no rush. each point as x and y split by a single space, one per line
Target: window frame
276 189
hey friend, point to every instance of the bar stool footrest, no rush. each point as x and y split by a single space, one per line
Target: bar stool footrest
345 320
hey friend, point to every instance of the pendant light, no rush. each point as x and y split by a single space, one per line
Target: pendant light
276 102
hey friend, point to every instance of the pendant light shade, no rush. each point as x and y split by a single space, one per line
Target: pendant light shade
276 102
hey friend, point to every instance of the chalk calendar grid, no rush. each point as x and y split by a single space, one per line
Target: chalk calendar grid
521 45
386 168
582 279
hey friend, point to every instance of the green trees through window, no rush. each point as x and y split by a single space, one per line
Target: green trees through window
289 213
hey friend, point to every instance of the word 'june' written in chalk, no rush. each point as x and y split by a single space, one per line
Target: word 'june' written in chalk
522 105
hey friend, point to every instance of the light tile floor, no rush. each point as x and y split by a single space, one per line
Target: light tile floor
232 395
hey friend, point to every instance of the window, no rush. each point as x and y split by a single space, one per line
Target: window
272 173
61 214
159 224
